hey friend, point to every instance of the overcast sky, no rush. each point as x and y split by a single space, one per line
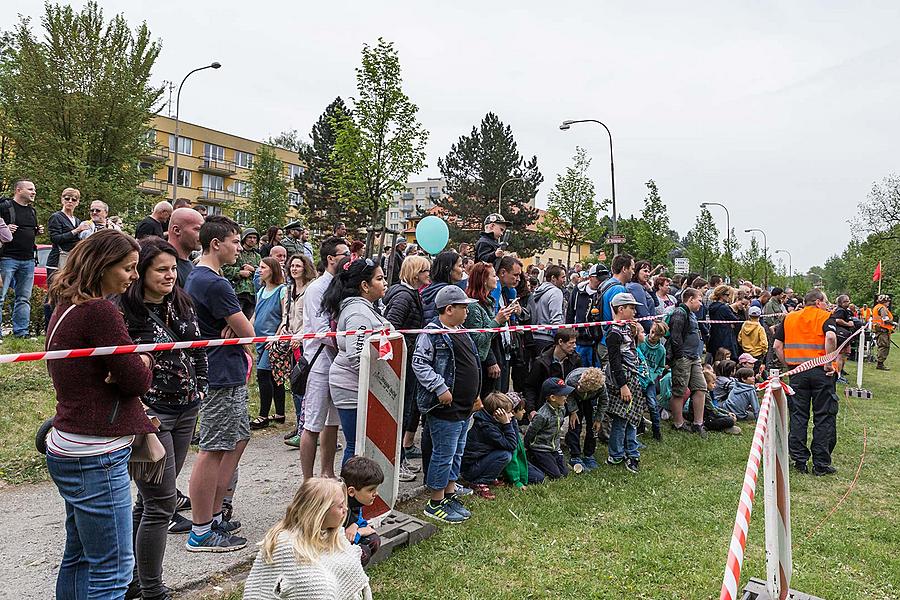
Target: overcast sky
784 111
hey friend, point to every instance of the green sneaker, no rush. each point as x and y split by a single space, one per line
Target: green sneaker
293 442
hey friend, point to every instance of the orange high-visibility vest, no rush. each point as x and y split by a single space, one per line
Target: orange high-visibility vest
803 336
878 321
865 313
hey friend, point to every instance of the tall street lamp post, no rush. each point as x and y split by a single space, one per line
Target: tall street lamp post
500 193
612 174
790 266
214 65
727 235
765 254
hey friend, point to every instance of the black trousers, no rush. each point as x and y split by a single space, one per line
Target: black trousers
553 464
813 389
586 422
268 392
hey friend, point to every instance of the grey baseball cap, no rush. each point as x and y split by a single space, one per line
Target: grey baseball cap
623 299
451 294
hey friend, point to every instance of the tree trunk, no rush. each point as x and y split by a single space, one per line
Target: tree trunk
569 257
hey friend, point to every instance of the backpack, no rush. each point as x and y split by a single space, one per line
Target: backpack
6 204
667 318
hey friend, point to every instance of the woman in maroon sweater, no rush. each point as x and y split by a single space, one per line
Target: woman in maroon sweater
98 412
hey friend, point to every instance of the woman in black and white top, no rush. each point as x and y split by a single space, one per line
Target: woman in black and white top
64 228
301 272
158 311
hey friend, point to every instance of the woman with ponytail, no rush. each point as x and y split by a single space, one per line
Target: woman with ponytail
350 299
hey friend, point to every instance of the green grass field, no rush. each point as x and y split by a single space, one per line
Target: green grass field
607 534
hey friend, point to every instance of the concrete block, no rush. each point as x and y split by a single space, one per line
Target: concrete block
398 530
858 393
756 590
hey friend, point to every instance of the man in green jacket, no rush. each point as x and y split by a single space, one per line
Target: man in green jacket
240 274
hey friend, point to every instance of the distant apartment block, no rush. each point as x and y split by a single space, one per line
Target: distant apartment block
418 195
213 166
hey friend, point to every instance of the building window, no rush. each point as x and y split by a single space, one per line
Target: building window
242 188
148 169
242 217
420 191
184 177
213 209
213 182
433 189
151 137
185 145
213 151
243 159
294 171
294 198
395 215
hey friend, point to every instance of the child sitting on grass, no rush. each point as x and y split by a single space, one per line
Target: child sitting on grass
305 554
715 417
362 476
542 438
724 370
654 351
490 444
742 400
519 471
586 405
626 397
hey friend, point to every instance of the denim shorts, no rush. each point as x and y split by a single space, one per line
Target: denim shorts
224 419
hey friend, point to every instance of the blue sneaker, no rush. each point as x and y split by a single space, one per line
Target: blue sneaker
590 463
443 512
457 505
462 490
214 541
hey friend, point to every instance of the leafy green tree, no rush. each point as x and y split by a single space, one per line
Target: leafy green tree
77 104
287 140
269 190
753 264
880 213
571 216
653 241
381 143
475 169
702 243
731 249
320 205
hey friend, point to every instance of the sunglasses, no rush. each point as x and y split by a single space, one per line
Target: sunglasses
96 210
369 263
347 253
424 271
70 199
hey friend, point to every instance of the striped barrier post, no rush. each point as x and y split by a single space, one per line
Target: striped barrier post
379 416
777 496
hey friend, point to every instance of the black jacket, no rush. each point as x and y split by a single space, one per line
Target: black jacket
60 229
486 248
543 367
488 434
403 308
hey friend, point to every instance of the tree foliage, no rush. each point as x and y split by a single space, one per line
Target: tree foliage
731 249
76 106
653 241
571 217
381 143
475 168
269 190
287 140
702 244
753 264
319 199
880 214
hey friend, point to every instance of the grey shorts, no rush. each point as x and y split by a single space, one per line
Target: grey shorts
687 374
319 410
224 419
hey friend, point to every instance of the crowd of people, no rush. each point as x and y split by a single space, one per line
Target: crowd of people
622 351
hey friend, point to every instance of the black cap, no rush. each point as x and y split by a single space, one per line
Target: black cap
554 386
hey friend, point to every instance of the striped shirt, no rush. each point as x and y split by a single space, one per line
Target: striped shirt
75 445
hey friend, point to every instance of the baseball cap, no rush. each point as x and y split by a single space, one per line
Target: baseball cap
746 357
598 270
451 294
496 218
754 311
554 386
623 299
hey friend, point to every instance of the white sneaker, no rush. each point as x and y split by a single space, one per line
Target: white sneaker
411 467
406 475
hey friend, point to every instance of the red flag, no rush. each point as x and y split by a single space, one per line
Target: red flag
877 275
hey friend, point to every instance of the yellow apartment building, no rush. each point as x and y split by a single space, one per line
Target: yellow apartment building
213 167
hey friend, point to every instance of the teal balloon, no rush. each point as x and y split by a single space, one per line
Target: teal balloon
432 234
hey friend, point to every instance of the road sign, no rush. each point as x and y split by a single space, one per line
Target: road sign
682 266
615 239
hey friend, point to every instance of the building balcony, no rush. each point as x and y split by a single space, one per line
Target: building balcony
157 154
213 195
434 195
154 187
406 196
216 166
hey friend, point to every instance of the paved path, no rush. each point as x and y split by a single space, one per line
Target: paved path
33 534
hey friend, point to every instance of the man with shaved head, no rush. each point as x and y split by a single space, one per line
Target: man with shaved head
184 235
155 224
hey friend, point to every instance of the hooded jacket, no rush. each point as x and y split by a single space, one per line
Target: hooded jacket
243 285
486 248
578 310
546 309
357 313
428 297
722 335
742 401
403 307
488 434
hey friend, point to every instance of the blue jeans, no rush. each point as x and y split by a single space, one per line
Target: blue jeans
588 356
298 410
650 394
348 425
448 440
20 275
623 439
487 468
98 558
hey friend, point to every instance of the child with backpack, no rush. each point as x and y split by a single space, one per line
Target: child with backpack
652 351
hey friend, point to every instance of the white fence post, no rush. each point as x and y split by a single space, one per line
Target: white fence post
776 462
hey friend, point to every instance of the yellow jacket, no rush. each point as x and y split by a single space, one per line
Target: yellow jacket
752 338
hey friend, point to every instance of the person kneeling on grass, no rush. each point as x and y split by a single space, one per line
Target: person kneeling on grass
626 397
742 400
305 555
586 404
519 471
490 444
542 437
362 476
715 417
449 381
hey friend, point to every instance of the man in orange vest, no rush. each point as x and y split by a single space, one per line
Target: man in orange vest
883 325
805 335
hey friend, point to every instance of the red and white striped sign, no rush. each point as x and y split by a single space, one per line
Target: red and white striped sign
777 496
379 416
